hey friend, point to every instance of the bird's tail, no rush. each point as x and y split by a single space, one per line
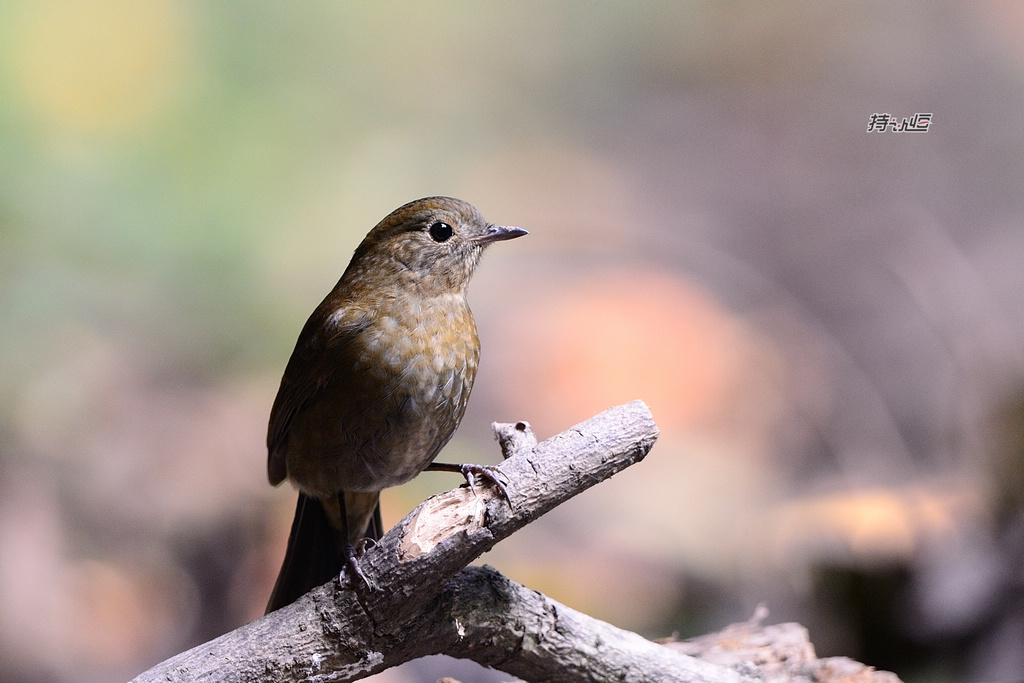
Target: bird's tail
316 546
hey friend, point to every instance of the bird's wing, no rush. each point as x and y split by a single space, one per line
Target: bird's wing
309 369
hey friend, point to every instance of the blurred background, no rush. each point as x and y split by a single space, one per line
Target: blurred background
828 324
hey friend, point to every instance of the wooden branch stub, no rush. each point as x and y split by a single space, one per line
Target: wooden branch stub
514 438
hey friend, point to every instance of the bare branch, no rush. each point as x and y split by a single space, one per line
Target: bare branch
499 623
430 603
344 631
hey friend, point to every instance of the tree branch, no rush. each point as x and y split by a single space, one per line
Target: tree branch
428 602
499 623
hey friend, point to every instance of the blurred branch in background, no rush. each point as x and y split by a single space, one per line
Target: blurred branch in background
833 319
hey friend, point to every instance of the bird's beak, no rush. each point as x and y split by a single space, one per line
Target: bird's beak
498 233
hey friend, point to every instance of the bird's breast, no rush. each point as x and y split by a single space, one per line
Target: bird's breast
400 393
425 348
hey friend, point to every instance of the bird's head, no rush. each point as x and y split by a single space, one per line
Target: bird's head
431 245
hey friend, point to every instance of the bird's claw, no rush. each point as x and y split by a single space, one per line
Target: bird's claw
352 567
488 473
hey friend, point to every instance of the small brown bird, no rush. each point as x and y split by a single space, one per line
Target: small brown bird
377 384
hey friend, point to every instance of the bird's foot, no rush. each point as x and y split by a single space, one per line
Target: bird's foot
352 567
489 473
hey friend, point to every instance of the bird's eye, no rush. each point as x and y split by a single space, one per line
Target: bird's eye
441 232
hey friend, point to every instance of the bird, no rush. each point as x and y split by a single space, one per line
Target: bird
377 383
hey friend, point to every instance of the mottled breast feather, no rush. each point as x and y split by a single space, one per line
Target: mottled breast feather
402 384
